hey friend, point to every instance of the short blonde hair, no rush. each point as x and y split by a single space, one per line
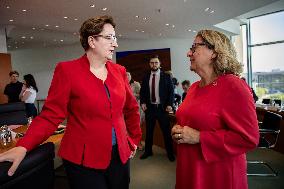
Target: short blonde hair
226 60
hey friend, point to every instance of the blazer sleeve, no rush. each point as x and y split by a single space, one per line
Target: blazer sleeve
131 113
143 91
240 133
170 100
53 112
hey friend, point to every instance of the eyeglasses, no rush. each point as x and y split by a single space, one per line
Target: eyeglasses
195 45
110 37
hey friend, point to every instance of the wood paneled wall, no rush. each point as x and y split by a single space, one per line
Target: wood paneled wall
5 68
137 62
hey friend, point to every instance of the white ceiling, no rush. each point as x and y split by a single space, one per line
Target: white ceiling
183 14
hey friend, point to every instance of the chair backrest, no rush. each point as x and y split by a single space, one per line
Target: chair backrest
266 101
271 121
277 101
13 114
35 171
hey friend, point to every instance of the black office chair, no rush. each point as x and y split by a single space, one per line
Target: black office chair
269 131
35 171
266 101
277 101
13 114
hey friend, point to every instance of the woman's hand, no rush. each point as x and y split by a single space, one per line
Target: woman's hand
133 152
14 155
185 135
144 107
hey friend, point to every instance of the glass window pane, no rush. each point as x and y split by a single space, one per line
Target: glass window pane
267 28
268 71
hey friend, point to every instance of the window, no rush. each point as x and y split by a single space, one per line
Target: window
267 58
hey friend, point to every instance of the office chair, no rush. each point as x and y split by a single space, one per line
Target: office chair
13 114
277 101
266 101
35 171
269 132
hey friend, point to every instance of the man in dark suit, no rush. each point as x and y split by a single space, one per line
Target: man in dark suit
156 98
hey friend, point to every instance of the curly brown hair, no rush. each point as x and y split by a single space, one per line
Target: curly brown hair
93 26
226 60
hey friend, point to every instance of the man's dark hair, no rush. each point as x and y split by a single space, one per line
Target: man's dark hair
154 56
13 72
185 82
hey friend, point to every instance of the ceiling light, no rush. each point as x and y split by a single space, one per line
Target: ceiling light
23 37
104 9
46 25
7 7
54 40
92 6
167 24
33 28
75 19
11 20
137 30
65 17
24 10
61 40
9 46
212 11
142 31
207 9
173 26
57 26
32 37
144 18
194 31
189 30
136 16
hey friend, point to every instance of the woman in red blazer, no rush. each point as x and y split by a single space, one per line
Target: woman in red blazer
103 122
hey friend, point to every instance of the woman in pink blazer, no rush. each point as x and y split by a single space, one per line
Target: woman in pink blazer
102 114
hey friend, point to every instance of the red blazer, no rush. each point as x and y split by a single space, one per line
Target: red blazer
76 94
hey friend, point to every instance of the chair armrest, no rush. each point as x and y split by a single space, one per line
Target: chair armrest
37 156
268 131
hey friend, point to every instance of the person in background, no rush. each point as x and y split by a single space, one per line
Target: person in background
185 86
156 98
177 97
103 121
135 86
255 97
13 89
216 123
28 95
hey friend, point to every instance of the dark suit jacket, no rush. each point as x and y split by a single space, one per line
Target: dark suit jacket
166 90
77 94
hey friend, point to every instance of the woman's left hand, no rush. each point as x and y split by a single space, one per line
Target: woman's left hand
186 135
133 152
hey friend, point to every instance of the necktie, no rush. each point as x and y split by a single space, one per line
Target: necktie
153 89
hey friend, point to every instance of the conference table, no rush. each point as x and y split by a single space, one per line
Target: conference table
56 139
